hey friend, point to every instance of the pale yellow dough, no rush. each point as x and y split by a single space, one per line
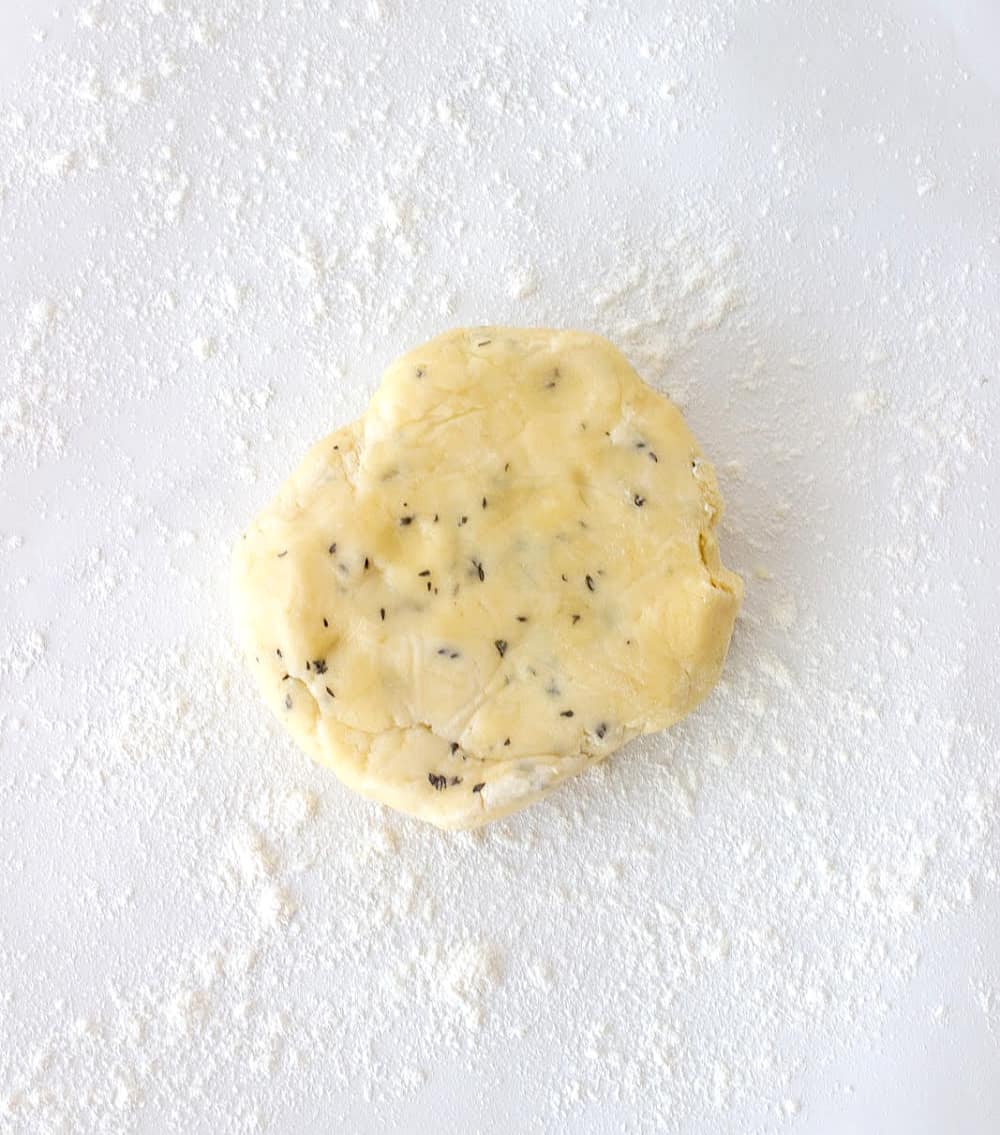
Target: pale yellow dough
499 575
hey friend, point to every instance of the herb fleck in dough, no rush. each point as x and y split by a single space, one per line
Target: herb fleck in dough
499 575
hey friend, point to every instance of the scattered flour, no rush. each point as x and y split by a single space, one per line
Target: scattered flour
218 222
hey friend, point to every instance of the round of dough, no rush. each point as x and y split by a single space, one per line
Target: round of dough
499 575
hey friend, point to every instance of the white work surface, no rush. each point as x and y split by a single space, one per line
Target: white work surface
218 222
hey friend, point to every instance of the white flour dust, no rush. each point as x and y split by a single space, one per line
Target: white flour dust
217 222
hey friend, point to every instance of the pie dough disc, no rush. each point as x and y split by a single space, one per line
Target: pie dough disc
499 575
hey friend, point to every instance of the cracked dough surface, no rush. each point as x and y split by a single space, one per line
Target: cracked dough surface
499 575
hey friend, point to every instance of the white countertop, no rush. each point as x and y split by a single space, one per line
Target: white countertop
217 223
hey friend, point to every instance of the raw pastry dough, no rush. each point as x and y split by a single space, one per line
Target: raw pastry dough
499 575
